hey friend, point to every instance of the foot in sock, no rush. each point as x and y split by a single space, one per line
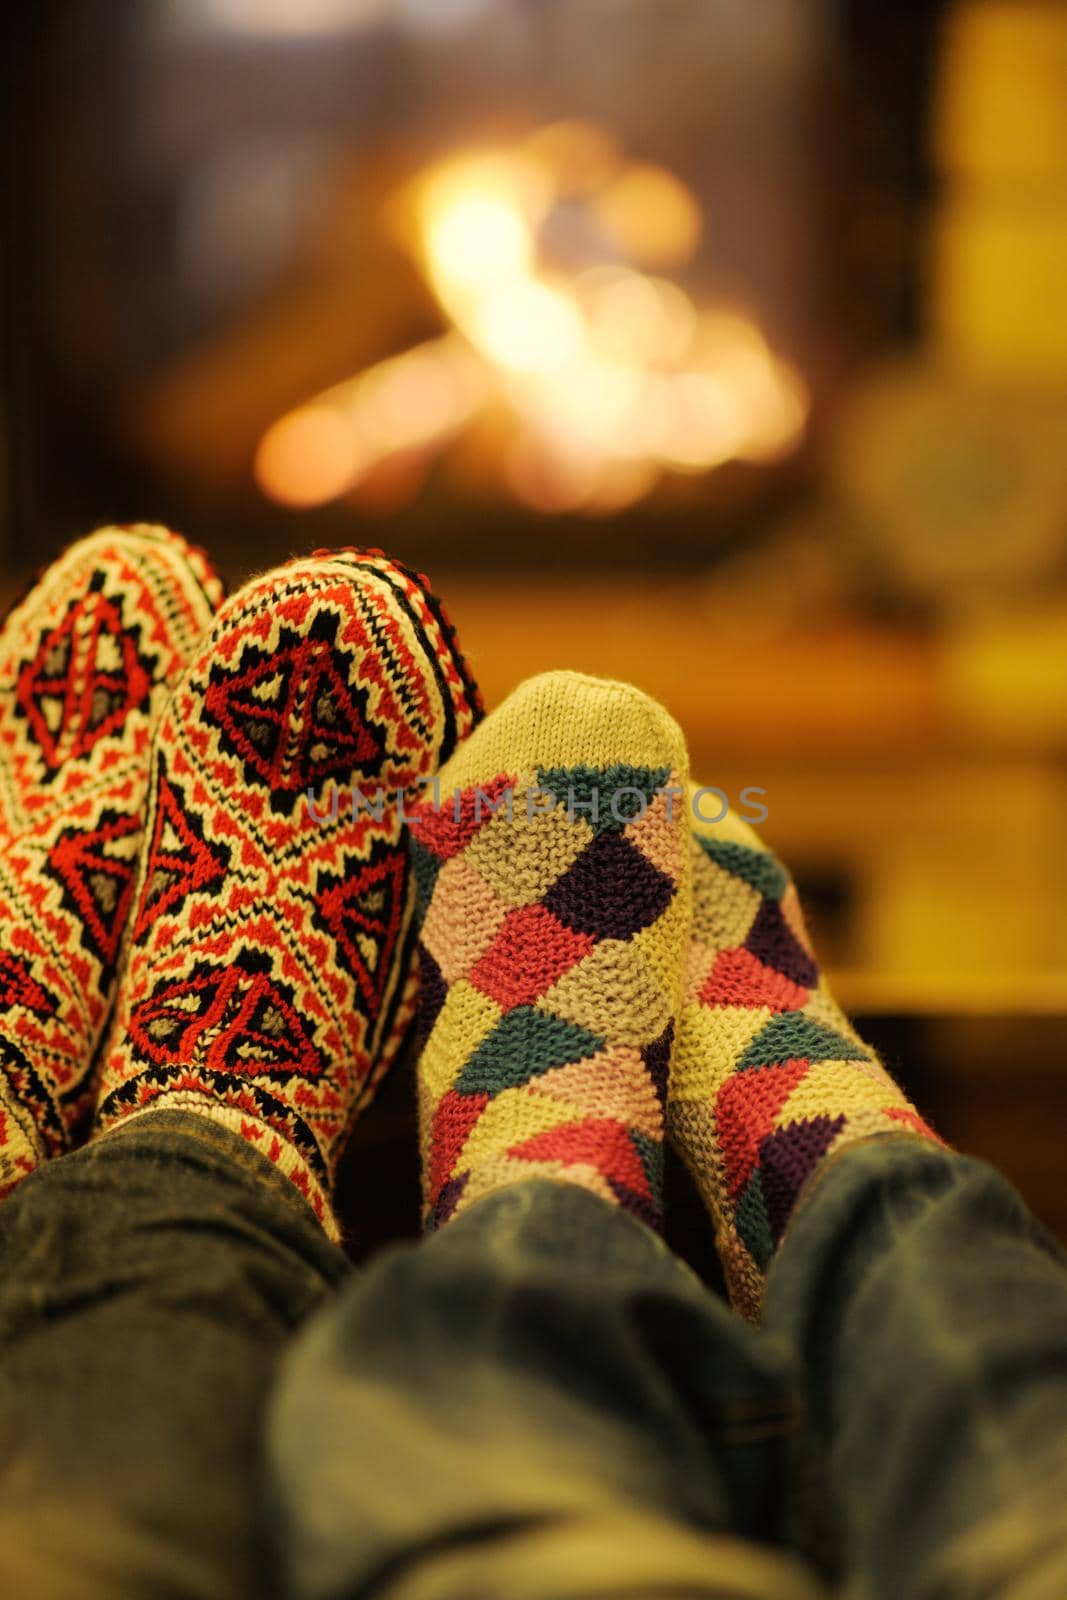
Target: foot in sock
87 660
769 1078
552 947
268 979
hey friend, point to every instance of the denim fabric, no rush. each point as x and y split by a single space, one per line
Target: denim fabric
543 1371
537 1403
928 1311
148 1284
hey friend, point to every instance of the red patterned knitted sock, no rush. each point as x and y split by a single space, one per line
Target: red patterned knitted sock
87 660
268 979
769 1078
554 888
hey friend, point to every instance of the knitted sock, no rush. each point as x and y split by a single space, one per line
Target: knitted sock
552 947
86 662
268 978
769 1078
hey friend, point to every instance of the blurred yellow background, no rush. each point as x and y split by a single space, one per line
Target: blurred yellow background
721 352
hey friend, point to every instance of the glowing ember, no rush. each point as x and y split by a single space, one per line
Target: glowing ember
610 377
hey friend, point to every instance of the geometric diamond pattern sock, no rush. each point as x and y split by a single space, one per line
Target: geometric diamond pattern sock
552 947
769 1077
267 977
87 660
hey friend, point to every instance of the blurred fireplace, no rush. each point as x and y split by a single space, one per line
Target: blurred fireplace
220 244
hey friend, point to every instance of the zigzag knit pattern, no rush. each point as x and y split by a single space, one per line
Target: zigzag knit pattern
553 903
86 662
769 1078
268 979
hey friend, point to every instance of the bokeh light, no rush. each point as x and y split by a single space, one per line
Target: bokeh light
612 376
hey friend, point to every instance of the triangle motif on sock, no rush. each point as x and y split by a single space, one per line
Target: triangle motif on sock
96 868
446 828
453 1122
758 868
294 717
180 860
531 950
522 1045
752 1223
791 1035
607 798
19 987
426 866
598 1142
84 681
447 1201
739 978
746 1108
657 1059
787 1158
234 1019
364 913
433 992
652 1158
772 941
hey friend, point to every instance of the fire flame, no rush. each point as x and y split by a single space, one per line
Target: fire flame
608 374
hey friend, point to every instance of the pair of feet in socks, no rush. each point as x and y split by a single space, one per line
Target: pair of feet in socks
210 899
